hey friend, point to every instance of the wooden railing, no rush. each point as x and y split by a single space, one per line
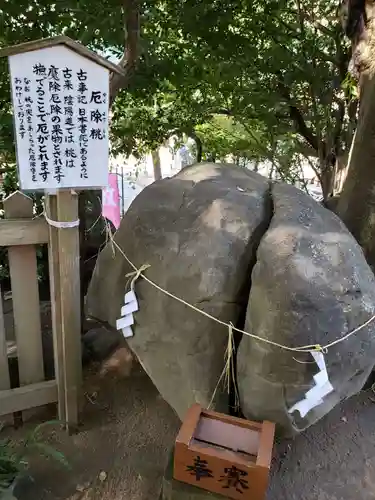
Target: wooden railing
20 232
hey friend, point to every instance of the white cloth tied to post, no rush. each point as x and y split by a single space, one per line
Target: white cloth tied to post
61 224
314 397
127 319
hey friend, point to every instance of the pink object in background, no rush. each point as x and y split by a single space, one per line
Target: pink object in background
111 201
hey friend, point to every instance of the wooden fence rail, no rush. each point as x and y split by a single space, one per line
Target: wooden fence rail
20 233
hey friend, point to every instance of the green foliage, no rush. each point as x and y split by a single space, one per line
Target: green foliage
276 68
10 182
222 137
14 459
10 465
350 87
140 125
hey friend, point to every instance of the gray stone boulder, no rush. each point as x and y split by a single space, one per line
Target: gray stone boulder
310 285
272 261
199 231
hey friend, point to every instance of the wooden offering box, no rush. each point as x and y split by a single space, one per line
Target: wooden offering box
224 454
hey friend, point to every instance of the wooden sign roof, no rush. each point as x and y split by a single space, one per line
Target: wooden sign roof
61 40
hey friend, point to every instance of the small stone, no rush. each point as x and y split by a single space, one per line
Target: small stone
82 487
119 364
99 343
102 476
344 419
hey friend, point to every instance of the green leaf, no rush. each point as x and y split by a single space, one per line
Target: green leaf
35 433
50 452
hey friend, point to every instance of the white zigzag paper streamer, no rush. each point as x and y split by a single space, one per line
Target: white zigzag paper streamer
315 395
127 319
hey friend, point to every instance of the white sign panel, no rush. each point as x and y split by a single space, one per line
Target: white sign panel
60 103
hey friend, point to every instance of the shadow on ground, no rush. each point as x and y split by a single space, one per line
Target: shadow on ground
333 460
128 430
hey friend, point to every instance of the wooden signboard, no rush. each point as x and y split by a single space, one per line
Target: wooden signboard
60 95
224 454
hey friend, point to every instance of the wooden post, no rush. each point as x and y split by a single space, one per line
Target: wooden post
4 365
88 171
4 368
25 298
69 284
25 294
54 281
82 244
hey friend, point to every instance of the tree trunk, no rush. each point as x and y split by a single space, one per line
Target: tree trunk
356 206
199 145
129 59
156 164
340 173
326 181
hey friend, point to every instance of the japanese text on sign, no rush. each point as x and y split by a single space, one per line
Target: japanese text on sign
60 102
232 477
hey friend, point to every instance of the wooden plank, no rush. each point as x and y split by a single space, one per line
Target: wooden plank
4 368
30 396
54 280
67 210
5 382
77 47
23 232
82 197
25 293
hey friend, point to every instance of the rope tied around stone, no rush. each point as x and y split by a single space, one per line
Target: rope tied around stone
134 275
139 273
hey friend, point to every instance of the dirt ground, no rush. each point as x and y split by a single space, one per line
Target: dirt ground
120 450
128 430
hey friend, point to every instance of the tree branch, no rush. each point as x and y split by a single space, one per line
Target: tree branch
343 55
315 169
199 145
131 51
221 111
352 115
297 117
340 115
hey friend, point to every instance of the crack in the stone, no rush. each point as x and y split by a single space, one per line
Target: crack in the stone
210 301
181 208
253 244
